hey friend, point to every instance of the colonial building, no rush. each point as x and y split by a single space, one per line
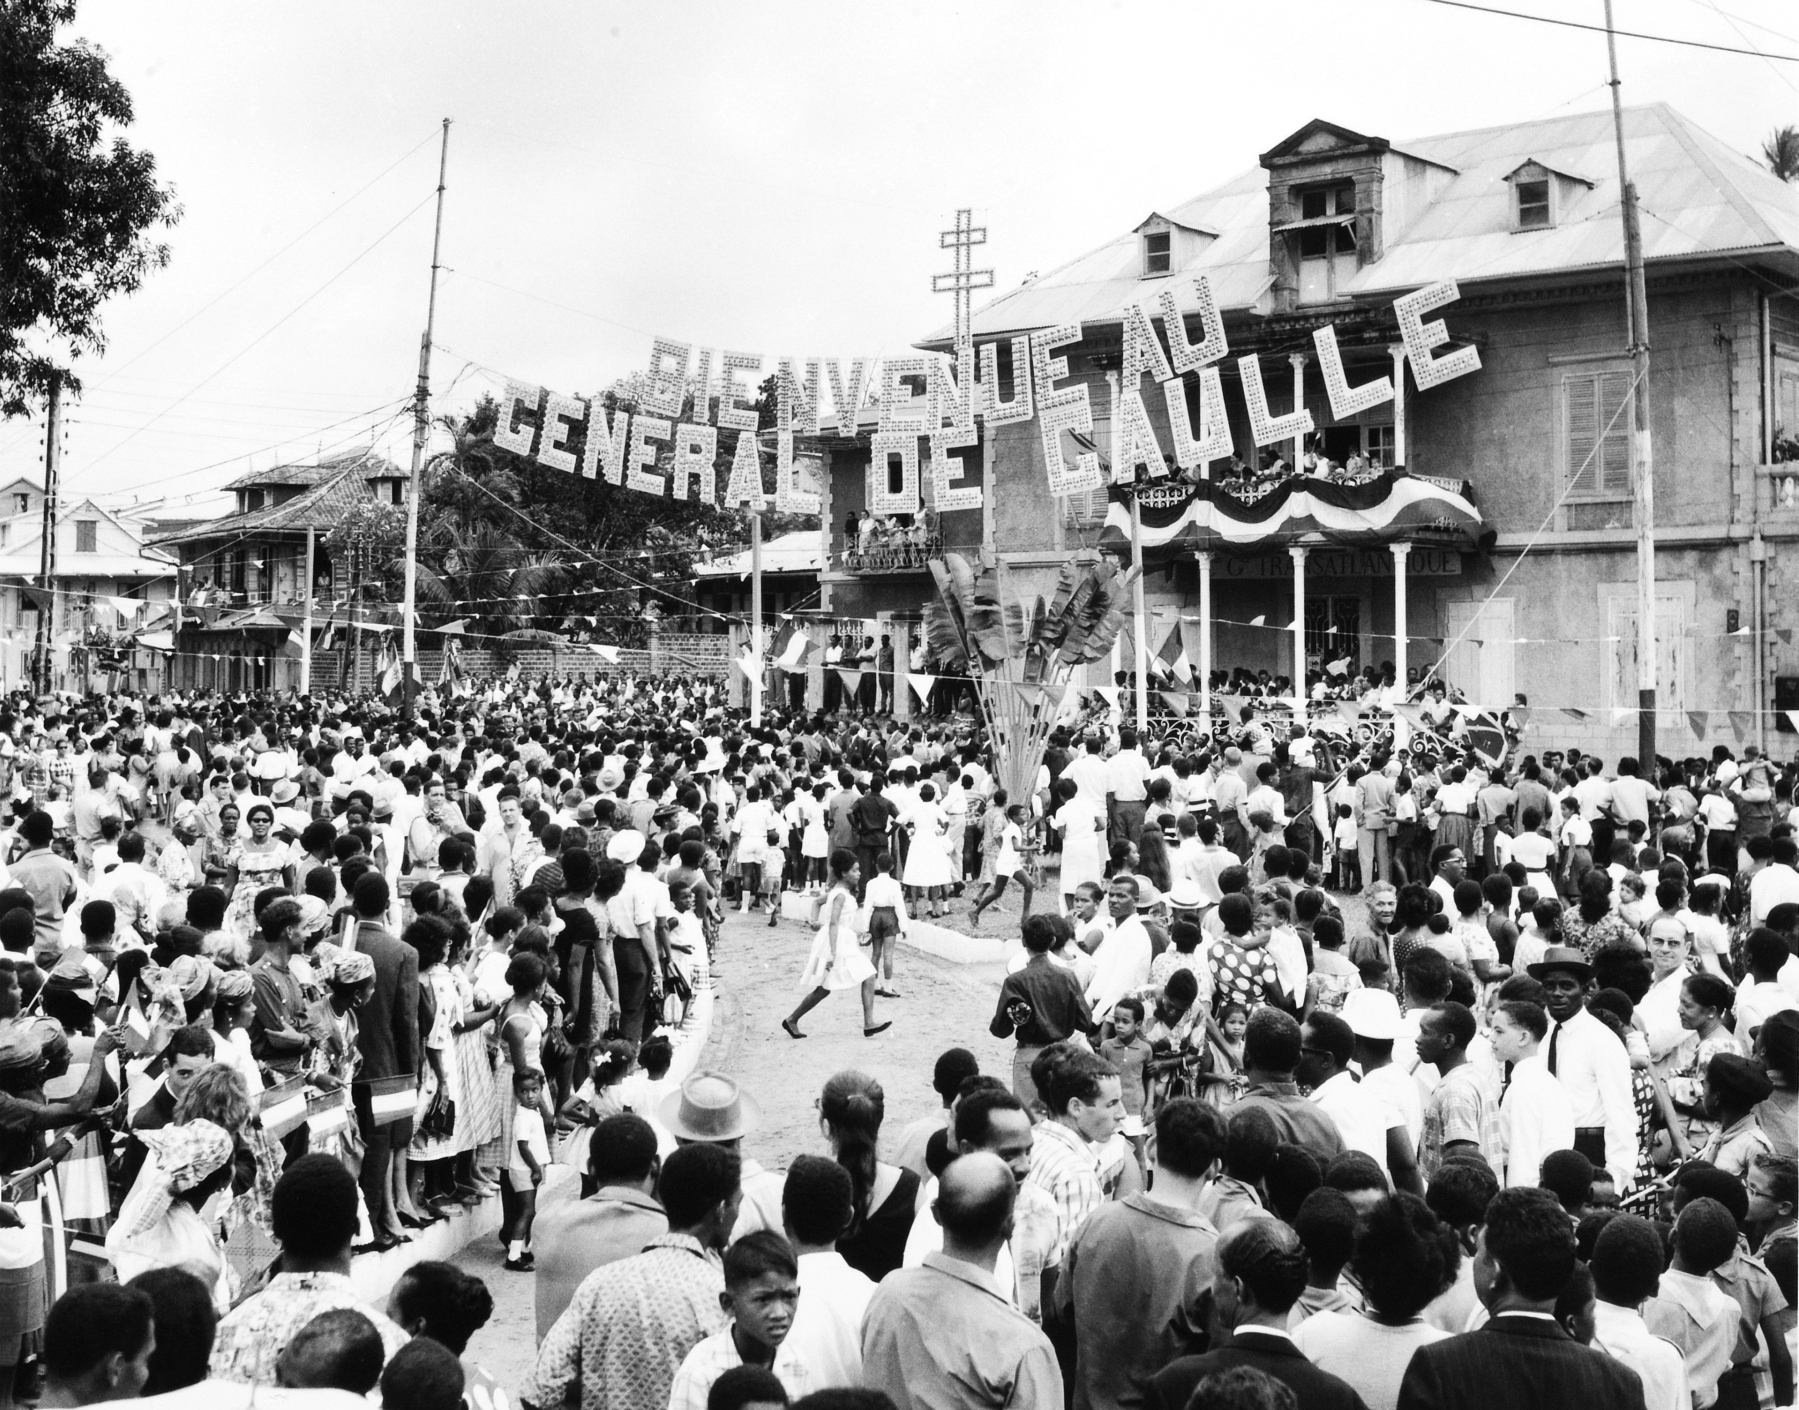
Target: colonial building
243 576
107 585
1491 532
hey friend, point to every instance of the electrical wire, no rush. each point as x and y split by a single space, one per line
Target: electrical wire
1621 33
253 343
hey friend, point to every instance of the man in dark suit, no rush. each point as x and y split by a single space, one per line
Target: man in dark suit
1259 1275
388 1040
1523 1257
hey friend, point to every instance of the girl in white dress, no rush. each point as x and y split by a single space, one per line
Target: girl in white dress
837 961
928 866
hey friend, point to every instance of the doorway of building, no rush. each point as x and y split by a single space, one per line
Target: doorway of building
1333 632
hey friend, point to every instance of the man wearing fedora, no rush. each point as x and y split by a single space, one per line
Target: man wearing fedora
1591 1065
711 1109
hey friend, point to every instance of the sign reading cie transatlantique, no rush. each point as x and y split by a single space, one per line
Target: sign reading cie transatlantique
1341 563
652 450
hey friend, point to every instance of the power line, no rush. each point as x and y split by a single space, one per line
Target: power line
256 341
1622 33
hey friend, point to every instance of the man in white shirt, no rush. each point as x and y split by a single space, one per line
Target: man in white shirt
1373 1016
1200 858
1127 788
817 1205
1534 1115
1631 795
1450 865
1326 1047
1122 960
1690 1309
1230 797
1776 883
1090 775
1592 1065
351 768
1627 1268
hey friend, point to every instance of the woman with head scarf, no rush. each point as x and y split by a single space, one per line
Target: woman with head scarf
160 1224
347 981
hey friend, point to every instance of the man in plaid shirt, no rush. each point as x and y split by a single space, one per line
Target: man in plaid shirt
1086 1105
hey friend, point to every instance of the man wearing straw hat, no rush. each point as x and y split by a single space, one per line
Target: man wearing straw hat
711 1109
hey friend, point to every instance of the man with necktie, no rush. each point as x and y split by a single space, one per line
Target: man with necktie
1592 1065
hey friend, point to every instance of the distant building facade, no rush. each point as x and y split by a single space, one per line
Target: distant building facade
1529 453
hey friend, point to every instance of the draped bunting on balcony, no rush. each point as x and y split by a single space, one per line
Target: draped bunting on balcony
1384 509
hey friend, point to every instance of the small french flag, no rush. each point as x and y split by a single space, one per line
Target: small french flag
392 1099
284 1107
327 1113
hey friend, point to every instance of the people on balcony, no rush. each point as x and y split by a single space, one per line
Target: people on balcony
894 543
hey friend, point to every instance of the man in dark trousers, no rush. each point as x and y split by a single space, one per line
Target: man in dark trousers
388 1040
1523 1257
1259 1274
871 815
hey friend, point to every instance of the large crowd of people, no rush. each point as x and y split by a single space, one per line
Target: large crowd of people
1416 1081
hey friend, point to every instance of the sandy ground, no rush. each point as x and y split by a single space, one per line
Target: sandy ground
945 1005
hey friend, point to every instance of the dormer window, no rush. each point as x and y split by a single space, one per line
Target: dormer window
1542 195
1326 244
1533 204
1158 253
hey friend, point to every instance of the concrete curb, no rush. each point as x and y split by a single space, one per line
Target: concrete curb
926 936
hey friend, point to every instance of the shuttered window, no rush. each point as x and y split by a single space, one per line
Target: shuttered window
1597 419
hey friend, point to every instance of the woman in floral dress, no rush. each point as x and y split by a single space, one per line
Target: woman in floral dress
478 1118
440 1086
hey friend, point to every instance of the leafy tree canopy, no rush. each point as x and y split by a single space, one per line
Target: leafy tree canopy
77 202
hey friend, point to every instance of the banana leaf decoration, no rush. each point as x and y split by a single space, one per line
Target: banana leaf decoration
1021 652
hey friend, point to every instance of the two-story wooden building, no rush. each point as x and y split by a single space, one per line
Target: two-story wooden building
243 576
1492 533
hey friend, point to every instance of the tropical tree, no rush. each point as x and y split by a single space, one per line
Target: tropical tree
1021 652
1781 152
79 201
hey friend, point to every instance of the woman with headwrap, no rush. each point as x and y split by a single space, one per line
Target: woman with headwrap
160 1224
67 999
347 978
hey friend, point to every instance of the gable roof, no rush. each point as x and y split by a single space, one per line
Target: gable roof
1698 198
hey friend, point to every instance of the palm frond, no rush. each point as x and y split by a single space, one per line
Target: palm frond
943 636
987 617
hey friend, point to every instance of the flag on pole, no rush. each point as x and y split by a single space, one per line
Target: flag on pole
791 654
1172 660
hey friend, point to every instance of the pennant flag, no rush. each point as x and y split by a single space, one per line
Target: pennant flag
850 677
604 652
1573 714
126 607
1784 635
1172 660
1740 723
1698 720
1291 625
1623 715
1177 702
1259 620
1793 718
1337 668
922 685
1109 694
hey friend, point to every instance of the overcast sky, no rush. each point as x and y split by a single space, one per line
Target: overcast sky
763 177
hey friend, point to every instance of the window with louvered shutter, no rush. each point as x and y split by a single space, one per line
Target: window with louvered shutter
1597 421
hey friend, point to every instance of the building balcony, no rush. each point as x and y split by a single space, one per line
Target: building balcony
888 555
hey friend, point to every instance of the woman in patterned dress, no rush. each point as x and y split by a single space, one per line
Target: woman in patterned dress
1705 1004
258 862
440 1087
1243 968
478 1119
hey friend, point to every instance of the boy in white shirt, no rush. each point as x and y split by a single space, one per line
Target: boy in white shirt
1535 1116
525 1164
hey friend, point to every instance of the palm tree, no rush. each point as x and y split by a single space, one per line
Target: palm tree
1781 152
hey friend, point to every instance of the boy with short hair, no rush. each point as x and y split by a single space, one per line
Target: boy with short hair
1689 1309
762 1291
525 1164
1129 1052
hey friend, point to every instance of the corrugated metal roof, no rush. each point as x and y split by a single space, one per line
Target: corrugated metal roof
800 552
316 472
1698 198
320 507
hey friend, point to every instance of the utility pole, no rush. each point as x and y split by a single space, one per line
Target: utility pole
756 681
306 626
1642 461
421 432
46 612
